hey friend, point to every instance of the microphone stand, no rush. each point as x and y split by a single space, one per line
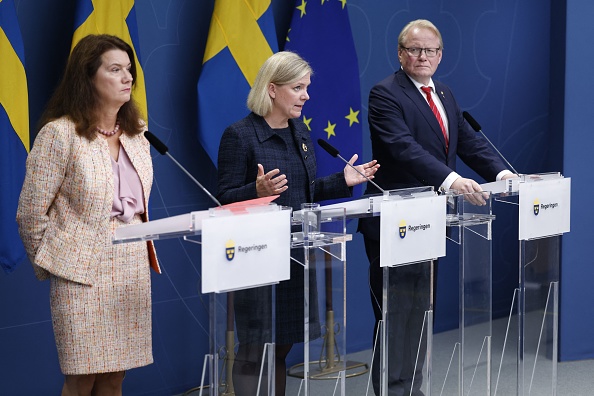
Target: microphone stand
357 170
229 356
330 149
230 345
329 364
499 153
330 340
330 357
194 180
477 128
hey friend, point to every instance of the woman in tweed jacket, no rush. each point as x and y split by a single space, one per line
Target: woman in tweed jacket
89 172
270 152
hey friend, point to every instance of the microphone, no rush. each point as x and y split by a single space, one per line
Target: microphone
333 151
163 150
477 128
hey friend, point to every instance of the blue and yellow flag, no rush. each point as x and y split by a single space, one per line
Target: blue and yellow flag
117 18
321 34
14 133
241 37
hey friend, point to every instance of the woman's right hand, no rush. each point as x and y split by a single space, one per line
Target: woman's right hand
270 183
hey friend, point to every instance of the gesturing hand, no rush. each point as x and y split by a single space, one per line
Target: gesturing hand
270 183
353 178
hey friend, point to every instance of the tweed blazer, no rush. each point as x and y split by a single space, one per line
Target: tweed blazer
66 200
250 142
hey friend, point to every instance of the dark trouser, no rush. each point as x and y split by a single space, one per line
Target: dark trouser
253 320
246 370
408 300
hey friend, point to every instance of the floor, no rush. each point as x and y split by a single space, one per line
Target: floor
573 378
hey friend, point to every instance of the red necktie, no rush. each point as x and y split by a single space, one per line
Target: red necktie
427 91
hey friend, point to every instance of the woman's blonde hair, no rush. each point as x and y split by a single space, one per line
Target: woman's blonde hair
284 67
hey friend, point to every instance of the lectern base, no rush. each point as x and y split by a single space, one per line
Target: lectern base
352 369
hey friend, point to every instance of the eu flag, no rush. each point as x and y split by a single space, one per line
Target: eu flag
117 18
321 34
14 133
242 36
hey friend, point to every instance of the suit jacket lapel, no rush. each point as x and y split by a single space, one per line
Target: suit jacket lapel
447 104
413 93
304 145
450 108
263 131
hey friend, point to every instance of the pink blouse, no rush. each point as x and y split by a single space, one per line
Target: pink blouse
128 197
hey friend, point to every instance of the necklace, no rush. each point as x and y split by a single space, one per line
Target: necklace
110 133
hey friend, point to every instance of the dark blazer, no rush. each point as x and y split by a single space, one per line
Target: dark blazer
407 141
250 142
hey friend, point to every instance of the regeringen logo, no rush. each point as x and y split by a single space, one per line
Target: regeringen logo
403 228
538 207
231 250
247 249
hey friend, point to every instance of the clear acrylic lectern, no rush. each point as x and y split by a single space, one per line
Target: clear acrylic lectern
528 343
320 253
461 363
245 253
414 225
455 362
412 237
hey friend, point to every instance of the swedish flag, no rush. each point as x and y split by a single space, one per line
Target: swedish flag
321 33
14 133
241 37
117 18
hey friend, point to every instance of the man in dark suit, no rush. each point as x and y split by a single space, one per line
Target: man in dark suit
416 135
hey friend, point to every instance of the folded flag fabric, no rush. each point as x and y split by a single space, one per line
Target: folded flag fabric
14 133
242 36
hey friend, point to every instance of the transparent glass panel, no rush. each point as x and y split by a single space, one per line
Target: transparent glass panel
538 306
320 250
401 364
461 360
242 342
526 342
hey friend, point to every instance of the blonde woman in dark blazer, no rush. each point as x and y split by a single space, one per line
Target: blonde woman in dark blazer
88 173
270 152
